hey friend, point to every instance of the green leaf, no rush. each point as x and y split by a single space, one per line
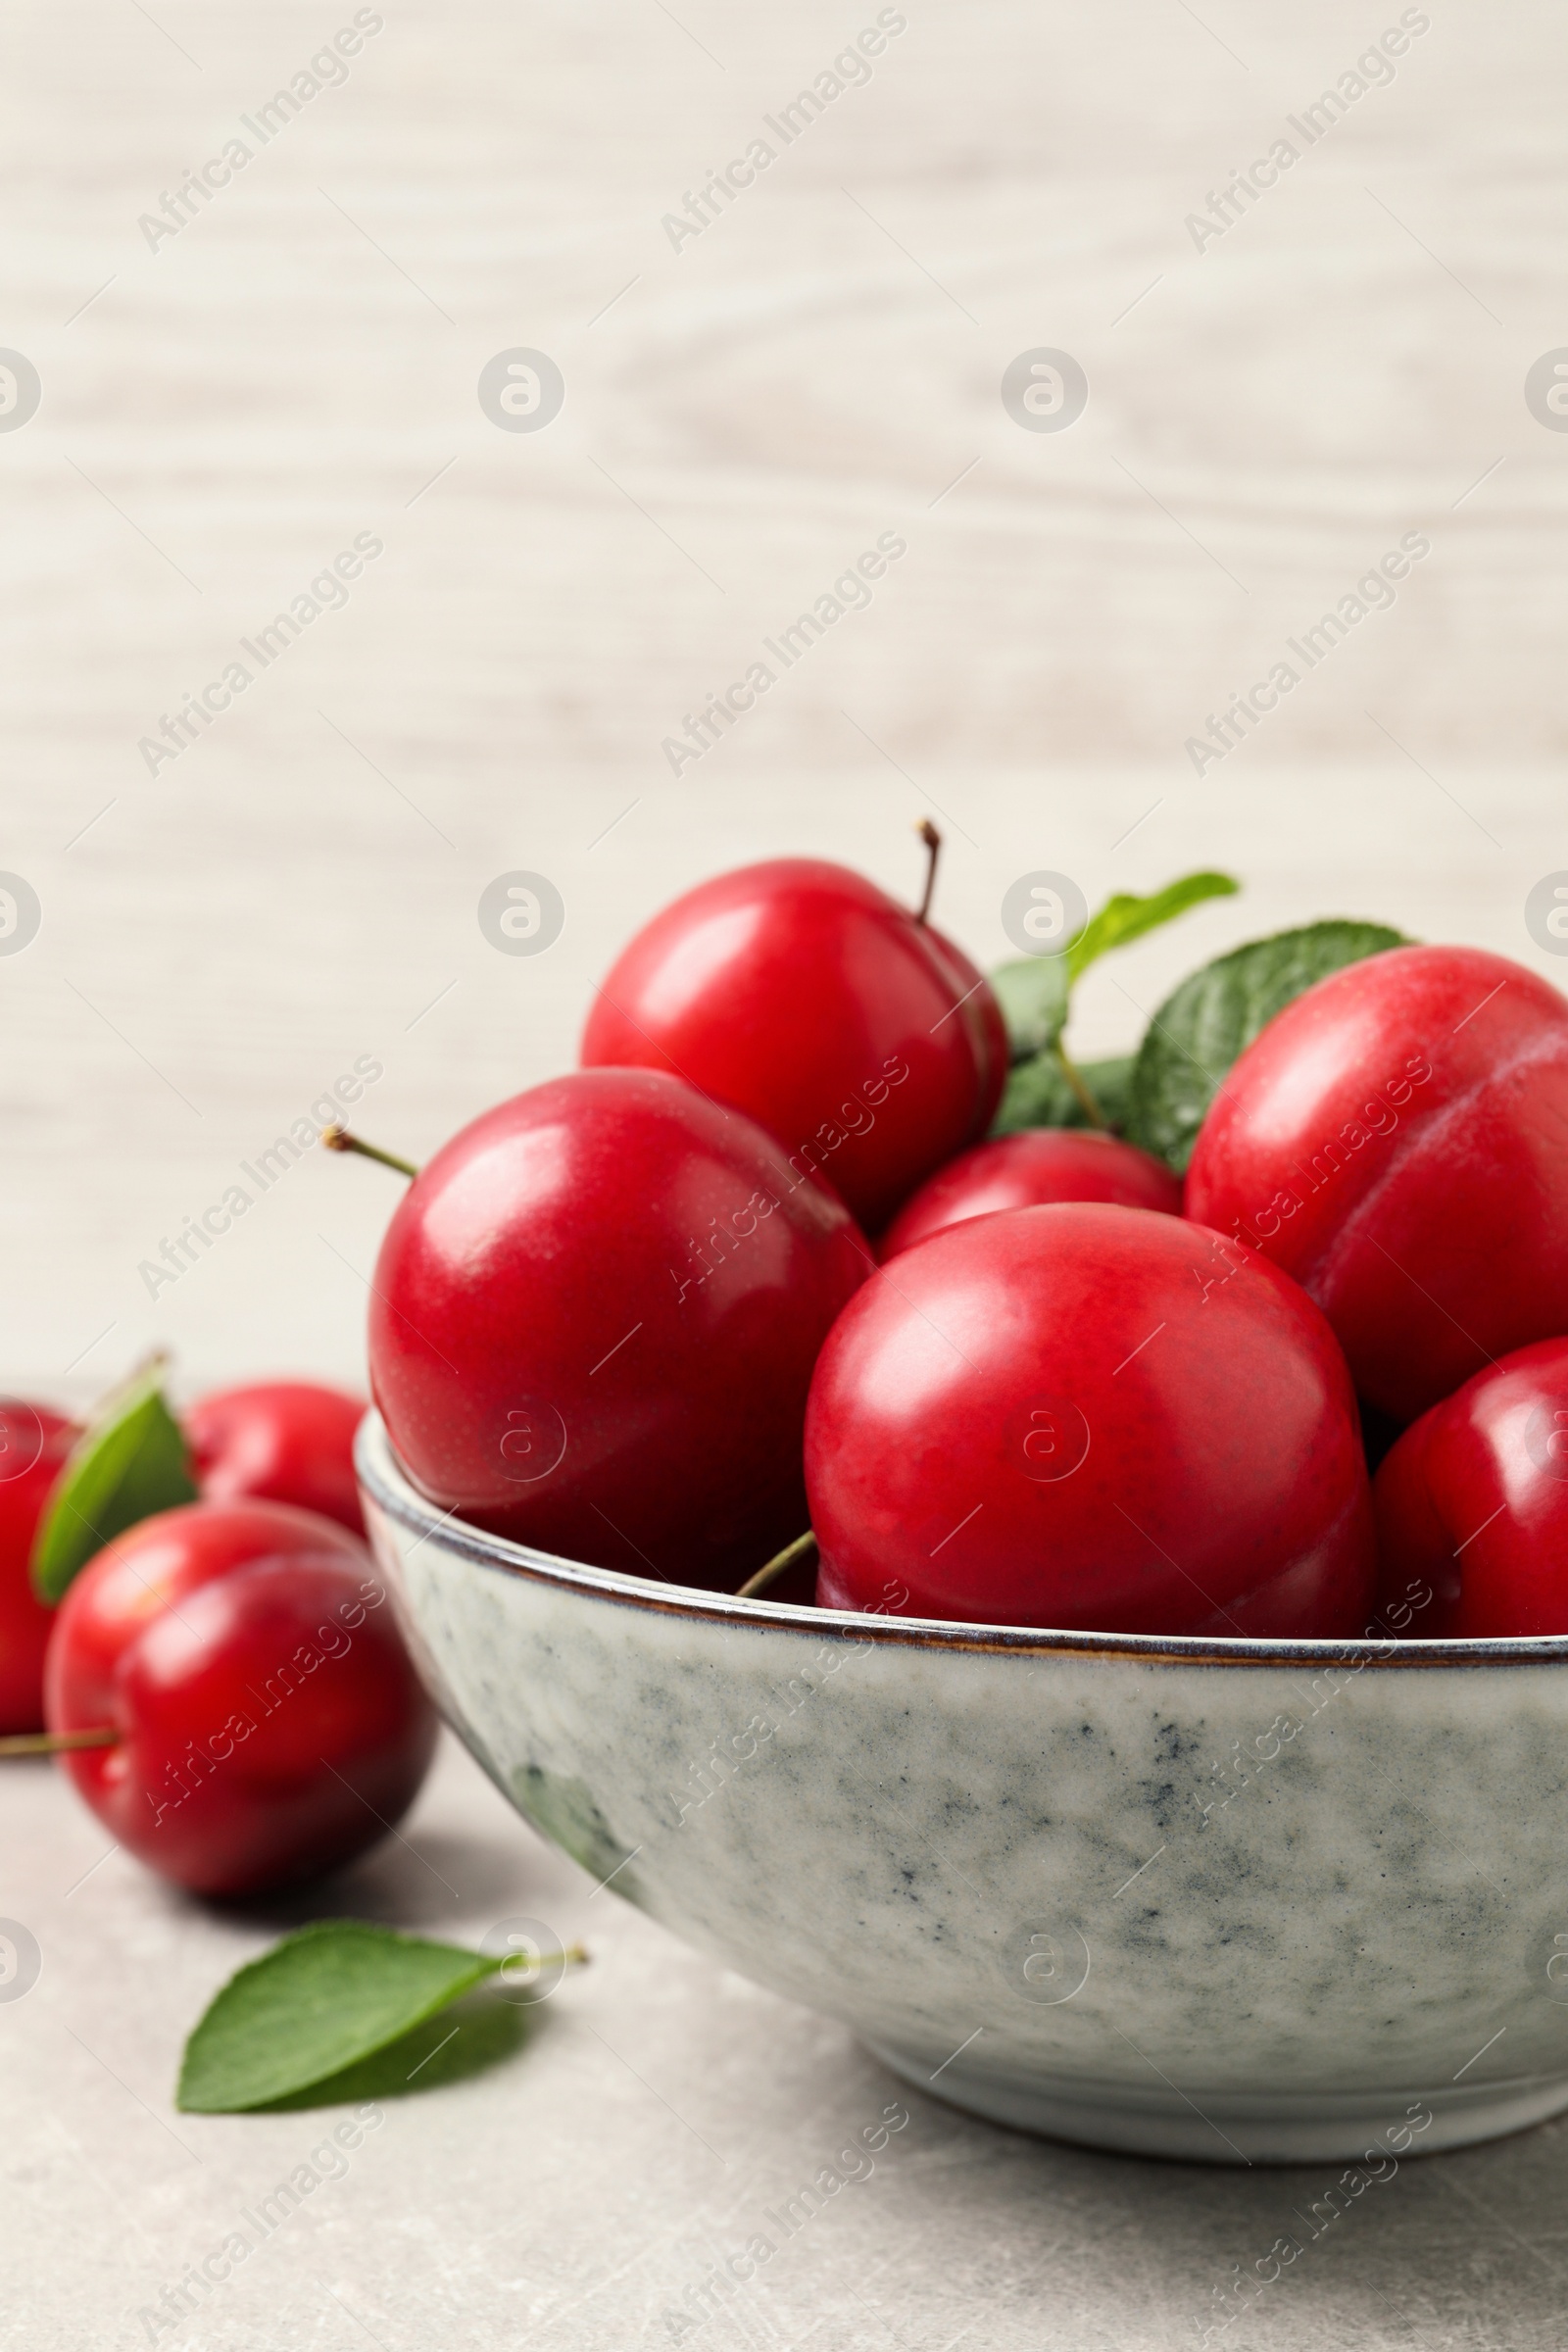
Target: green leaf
1033 996
1200 1029
432 2057
129 1463
320 2001
1038 1095
1124 919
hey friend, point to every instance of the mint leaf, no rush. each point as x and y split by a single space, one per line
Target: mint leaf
1205 1023
320 2001
1037 1094
1033 996
1124 919
129 1462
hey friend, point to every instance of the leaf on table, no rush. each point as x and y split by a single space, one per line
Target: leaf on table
320 2001
476 2032
1215 1014
130 1461
1125 918
1038 1095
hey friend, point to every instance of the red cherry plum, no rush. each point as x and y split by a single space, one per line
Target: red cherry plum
1091 1417
795 990
1397 1139
1025 1172
34 1444
593 1321
1472 1505
280 1441
269 1724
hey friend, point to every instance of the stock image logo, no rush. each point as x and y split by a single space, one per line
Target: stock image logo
1046 1961
1045 914
1052 1440
523 913
533 1442
20 912
20 1960
521 390
1546 1438
21 1439
533 1959
1545 913
20 391
1045 390
1545 390
1554 1968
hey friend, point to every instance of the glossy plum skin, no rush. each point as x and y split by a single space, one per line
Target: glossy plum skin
34 1444
280 1441
798 992
1091 1418
593 1321
272 1724
1397 1141
1025 1172
1472 1505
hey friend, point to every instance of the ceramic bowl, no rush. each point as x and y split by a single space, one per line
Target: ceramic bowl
1241 1900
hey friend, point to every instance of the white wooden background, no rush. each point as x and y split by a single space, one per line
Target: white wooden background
819 365
222 415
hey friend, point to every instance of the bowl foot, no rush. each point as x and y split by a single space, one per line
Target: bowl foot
1228 2126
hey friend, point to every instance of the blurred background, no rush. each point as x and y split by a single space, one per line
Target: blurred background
212 388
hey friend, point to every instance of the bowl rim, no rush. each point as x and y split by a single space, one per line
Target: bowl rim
387 1485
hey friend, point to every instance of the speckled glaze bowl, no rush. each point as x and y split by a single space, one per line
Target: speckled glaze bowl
1239 1900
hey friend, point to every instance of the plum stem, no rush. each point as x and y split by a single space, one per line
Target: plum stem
1075 1079
570 1955
776 1566
53 1743
338 1139
933 842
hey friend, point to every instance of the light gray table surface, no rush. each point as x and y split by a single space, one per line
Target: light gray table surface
223 410
588 2188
